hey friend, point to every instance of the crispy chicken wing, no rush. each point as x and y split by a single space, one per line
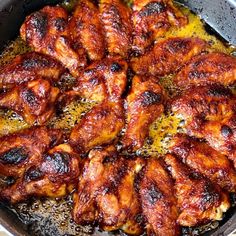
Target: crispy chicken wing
151 19
55 176
106 78
209 112
34 100
168 56
158 202
199 200
99 126
144 105
116 20
209 68
47 32
106 192
85 27
27 67
23 149
205 160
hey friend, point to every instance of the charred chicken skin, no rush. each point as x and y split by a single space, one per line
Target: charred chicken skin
116 20
208 69
152 19
209 112
54 175
144 106
27 67
86 28
34 100
205 160
47 32
164 58
199 201
99 126
106 192
158 200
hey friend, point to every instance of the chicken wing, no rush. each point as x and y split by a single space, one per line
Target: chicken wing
47 32
85 27
144 106
116 20
55 176
209 68
164 57
205 160
158 202
209 112
106 192
34 100
199 200
23 149
152 19
99 126
27 67
106 78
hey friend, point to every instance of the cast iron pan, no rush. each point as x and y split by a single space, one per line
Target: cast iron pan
12 15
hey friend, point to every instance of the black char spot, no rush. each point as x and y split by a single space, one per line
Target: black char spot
153 8
14 156
32 63
39 24
226 131
116 67
219 91
153 194
33 174
150 98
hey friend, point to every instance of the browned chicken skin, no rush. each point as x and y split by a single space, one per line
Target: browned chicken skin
144 106
47 32
34 100
85 27
209 112
116 20
205 160
106 192
103 79
207 69
55 176
158 202
151 19
27 67
23 149
99 126
199 200
168 56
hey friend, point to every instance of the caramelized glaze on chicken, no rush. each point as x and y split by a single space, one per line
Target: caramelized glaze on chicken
106 78
168 56
158 202
99 126
34 100
54 176
199 200
47 32
209 112
205 160
86 28
207 69
116 20
144 105
27 67
106 192
151 19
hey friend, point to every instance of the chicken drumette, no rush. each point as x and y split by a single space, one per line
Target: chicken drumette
208 69
144 105
151 19
168 56
47 32
199 201
27 67
33 100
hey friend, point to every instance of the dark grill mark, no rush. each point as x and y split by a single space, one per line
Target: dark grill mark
153 194
39 24
33 174
14 156
153 8
226 131
116 67
219 91
32 63
149 98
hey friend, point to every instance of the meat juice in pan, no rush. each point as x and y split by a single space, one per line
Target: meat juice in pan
53 217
